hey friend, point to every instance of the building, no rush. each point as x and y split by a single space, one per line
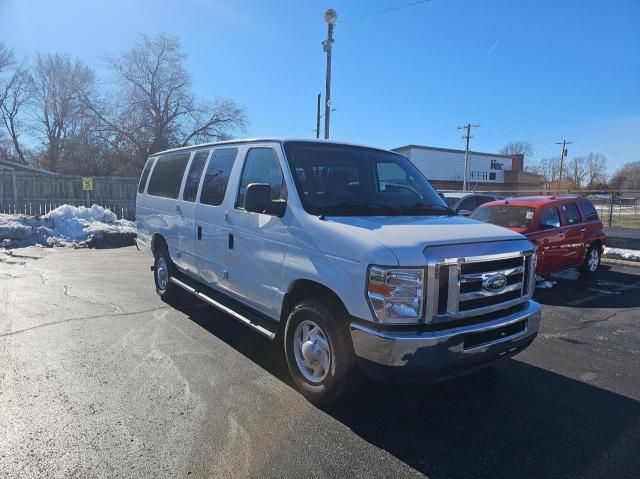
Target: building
444 167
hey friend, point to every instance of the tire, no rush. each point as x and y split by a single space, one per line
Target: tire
163 269
591 262
331 373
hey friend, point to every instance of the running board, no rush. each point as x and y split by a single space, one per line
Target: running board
253 321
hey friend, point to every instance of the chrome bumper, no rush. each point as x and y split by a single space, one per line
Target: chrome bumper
444 352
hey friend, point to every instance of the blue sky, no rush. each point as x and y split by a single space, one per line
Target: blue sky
534 71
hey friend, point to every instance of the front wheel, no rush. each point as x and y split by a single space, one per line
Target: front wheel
319 352
163 269
591 261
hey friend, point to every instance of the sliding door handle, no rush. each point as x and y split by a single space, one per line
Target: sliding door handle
230 240
199 232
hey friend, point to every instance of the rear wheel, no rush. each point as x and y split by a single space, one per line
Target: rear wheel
591 261
163 269
319 352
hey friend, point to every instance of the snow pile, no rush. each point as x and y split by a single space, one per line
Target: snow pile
619 253
67 226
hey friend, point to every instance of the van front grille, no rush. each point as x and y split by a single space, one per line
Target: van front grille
474 286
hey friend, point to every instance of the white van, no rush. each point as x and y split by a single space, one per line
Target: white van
346 254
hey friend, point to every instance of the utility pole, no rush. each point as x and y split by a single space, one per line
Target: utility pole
468 136
330 16
318 118
564 144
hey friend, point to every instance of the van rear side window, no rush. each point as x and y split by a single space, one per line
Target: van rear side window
193 178
145 175
215 182
167 175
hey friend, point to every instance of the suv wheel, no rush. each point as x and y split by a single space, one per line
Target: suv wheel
319 352
591 261
163 269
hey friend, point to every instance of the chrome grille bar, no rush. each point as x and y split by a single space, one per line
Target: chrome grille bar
475 298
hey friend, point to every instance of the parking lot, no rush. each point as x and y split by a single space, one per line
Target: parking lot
98 377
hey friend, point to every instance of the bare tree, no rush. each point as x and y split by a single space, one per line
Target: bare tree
13 98
517 148
7 57
549 168
596 164
627 177
577 172
154 108
57 85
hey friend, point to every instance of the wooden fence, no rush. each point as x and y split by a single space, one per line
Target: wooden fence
35 194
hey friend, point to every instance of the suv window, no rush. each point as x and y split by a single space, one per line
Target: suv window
469 203
216 178
193 177
145 175
588 210
262 166
571 213
167 175
550 218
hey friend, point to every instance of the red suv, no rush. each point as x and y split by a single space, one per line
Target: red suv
565 230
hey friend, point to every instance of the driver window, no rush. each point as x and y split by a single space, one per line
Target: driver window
550 218
262 166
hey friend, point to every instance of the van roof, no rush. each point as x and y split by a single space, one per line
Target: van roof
269 138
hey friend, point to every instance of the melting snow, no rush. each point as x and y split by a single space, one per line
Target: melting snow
620 253
65 226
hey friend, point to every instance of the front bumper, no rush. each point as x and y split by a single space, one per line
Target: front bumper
450 352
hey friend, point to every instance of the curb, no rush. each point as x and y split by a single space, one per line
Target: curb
622 262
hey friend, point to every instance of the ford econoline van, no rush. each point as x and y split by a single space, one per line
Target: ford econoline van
345 254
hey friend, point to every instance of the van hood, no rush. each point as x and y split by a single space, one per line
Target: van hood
407 236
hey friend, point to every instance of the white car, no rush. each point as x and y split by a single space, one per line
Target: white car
346 254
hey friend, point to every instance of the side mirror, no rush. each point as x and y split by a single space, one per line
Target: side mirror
464 213
257 199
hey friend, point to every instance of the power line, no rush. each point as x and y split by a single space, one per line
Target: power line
380 12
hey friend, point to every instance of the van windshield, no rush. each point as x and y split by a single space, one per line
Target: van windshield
341 180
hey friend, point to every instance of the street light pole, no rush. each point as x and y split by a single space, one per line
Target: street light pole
330 16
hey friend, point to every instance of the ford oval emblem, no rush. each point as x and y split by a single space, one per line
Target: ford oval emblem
495 283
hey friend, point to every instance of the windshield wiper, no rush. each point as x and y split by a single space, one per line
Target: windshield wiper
433 207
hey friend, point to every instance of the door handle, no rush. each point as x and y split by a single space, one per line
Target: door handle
230 240
179 210
561 235
583 229
199 232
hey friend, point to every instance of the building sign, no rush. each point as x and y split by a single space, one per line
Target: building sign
496 165
87 183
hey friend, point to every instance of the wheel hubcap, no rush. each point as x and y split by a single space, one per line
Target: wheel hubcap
593 260
312 351
162 273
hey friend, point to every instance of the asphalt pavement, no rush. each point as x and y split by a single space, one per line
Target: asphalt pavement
99 378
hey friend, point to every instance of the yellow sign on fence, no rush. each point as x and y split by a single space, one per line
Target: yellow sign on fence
87 183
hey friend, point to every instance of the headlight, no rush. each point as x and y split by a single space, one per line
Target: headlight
396 294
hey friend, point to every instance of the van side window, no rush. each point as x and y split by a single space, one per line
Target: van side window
216 178
193 177
571 213
167 175
145 175
262 166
